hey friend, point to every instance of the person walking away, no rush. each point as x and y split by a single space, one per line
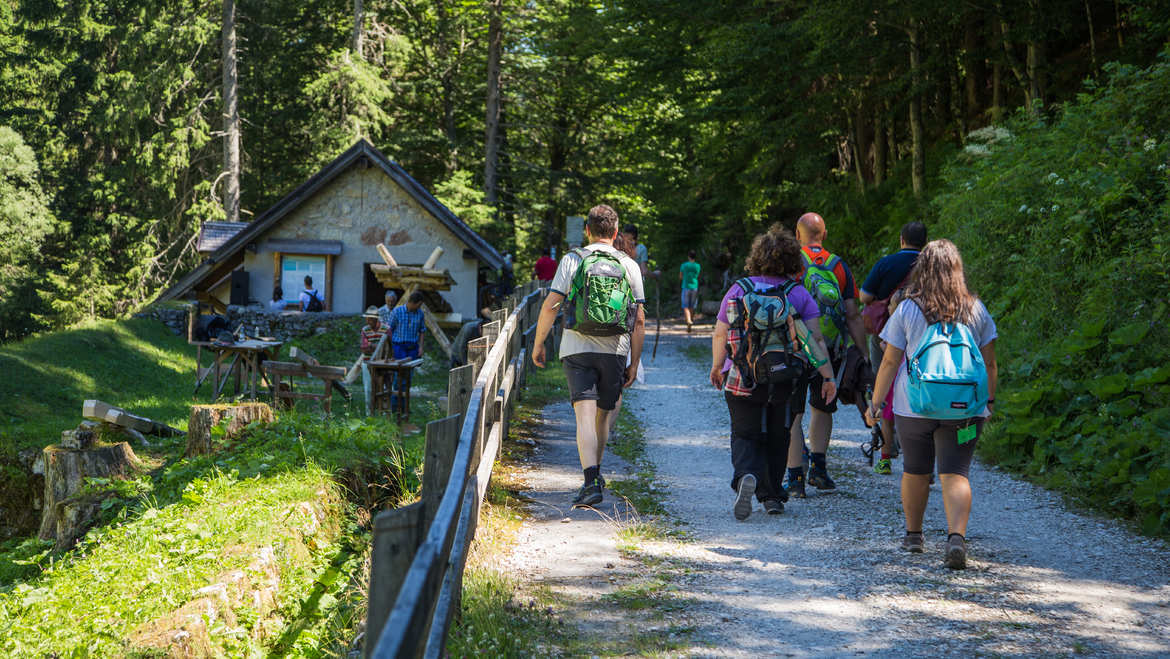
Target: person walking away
277 301
545 268
372 332
601 291
384 311
944 337
765 340
311 299
625 246
507 277
888 275
641 253
830 282
688 274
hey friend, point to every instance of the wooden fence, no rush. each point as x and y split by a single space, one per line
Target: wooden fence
420 550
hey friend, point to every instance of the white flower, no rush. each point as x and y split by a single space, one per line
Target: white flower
1055 207
1023 208
1150 144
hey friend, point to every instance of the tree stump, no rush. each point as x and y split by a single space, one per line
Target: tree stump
66 517
231 418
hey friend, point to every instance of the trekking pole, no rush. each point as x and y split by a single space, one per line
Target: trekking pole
658 315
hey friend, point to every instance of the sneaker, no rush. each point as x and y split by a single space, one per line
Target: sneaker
913 543
588 495
795 488
883 467
819 478
743 497
956 552
773 507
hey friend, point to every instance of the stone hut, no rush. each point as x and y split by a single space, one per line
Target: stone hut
328 228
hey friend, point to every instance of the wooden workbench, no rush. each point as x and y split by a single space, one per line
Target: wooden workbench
243 359
380 397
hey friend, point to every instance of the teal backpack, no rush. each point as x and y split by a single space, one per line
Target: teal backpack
945 376
821 281
600 301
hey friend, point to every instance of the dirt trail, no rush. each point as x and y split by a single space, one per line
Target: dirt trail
825 578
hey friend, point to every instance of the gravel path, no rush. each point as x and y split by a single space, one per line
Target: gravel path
825 578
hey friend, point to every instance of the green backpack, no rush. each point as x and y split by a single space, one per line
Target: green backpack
821 281
600 302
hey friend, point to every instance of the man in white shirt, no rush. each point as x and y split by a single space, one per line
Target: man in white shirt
595 366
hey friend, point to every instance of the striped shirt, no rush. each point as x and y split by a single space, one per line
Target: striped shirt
370 338
405 325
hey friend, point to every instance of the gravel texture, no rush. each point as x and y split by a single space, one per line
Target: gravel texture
826 578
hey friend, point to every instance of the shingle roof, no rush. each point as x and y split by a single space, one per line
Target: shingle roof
213 235
360 151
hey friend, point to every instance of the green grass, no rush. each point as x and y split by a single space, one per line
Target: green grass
136 364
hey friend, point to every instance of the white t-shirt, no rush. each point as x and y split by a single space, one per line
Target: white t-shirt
573 343
906 327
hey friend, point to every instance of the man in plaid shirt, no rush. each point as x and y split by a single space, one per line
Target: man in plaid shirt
406 328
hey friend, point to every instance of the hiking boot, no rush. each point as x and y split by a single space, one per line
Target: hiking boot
743 497
588 495
913 543
773 507
883 467
819 478
795 488
956 552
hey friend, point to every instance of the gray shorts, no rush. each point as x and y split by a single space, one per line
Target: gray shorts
925 441
690 298
595 376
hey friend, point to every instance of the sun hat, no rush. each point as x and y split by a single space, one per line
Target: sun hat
371 312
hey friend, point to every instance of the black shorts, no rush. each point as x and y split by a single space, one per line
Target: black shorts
815 399
595 376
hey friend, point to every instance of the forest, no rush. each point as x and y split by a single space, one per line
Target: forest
1033 133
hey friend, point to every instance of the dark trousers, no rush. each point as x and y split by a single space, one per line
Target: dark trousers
759 437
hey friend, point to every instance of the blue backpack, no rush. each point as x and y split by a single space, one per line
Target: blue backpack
946 376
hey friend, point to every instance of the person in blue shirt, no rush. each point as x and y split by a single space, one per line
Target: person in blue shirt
406 328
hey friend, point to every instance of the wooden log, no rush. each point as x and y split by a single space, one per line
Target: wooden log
65 473
309 360
386 256
125 419
231 418
96 409
432 324
431 261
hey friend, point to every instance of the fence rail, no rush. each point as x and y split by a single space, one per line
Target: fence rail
420 550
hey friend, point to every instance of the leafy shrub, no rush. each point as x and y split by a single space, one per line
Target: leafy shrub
1063 229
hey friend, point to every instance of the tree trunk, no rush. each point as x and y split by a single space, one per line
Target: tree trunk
975 70
864 137
892 134
1117 16
214 424
996 92
65 516
956 105
917 140
1036 57
1092 37
492 129
879 146
358 28
231 116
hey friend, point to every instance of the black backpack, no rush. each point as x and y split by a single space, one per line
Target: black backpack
315 303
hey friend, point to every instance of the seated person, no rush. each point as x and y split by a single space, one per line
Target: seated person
372 332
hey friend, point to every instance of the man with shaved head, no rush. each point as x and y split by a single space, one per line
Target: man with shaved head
831 284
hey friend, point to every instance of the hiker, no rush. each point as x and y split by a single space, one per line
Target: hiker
886 277
507 277
830 282
765 341
601 289
688 274
372 332
948 336
277 301
641 254
384 311
545 268
406 328
311 299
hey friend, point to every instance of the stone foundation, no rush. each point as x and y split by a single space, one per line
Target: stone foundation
283 325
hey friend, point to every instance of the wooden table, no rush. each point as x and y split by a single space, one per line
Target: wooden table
246 355
286 396
378 374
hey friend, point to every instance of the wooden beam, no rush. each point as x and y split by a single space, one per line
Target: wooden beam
308 360
328 282
385 254
432 324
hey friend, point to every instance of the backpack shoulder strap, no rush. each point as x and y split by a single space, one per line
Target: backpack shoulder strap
746 285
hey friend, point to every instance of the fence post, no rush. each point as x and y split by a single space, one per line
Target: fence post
397 534
442 440
490 332
460 382
477 350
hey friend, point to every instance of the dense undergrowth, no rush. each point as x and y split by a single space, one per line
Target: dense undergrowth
1063 225
1062 221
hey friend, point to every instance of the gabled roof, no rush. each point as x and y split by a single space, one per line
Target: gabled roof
360 152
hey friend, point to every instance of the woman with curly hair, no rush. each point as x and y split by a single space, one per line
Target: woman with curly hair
936 292
762 414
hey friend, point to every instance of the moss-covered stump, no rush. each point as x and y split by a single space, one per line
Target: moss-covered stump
64 517
203 429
